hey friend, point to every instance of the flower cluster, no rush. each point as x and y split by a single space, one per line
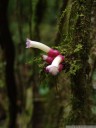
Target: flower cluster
53 57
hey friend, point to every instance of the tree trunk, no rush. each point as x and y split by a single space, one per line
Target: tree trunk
30 18
75 30
9 51
39 15
81 110
19 20
92 59
62 20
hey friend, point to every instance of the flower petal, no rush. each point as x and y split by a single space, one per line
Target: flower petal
28 43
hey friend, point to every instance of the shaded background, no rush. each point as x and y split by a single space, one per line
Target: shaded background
30 98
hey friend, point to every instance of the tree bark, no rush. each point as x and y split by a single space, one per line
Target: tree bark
92 59
62 20
30 19
9 51
39 15
80 86
75 30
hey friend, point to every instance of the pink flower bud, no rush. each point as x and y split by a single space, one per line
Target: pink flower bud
48 59
53 53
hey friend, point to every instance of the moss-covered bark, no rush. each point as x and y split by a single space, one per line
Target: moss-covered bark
80 32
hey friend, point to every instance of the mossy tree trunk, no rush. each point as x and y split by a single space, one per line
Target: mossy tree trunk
62 20
75 31
92 59
80 86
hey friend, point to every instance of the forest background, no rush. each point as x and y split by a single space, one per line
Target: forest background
31 98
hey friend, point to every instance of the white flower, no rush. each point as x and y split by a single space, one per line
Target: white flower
38 45
34 44
55 65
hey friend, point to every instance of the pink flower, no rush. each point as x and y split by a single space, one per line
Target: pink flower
53 56
53 53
